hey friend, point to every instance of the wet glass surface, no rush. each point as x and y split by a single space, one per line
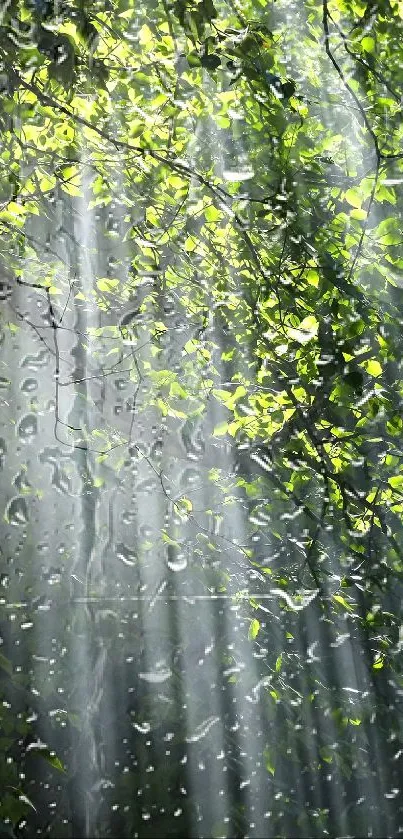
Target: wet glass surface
200 420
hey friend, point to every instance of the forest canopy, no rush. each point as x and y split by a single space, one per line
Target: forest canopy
201 202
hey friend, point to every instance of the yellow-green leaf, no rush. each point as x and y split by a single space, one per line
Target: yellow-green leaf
313 277
16 209
107 285
306 330
342 602
353 197
368 44
372 367
220 429
359 214
253 629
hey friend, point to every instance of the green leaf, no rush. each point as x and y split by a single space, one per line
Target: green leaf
220 429
211 62
312 277
25 800
396 481
368 44
6 665
253 629
268 760
212 214
342 602
107 285
372 367
43 750
353 197
71 189
306 331
358 214
54 761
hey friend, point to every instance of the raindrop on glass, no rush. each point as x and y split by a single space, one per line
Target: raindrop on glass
124 553
17 511
156 677
176 562
28 385
28 426
3 450
35 362
128 517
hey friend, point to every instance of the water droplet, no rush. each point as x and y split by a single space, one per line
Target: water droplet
142 727
28 426
28 385
60 480
189 477
3 450
42 547
35 362
121 384
17 511
146 487
38 744
21 482
156 677
202 729
177 563
192 438
125 554
145 531
54 579
233 175
128 517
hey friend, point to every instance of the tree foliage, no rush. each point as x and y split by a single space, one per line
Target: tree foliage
239 168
